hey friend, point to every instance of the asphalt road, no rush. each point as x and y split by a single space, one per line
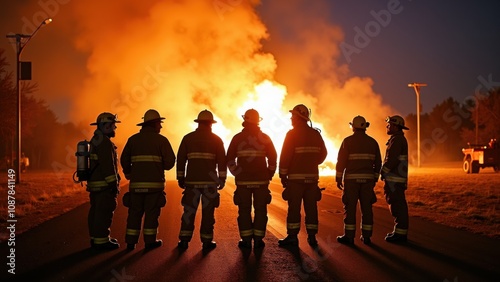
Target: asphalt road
58 250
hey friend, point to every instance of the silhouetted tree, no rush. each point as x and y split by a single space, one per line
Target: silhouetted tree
440 132
44 140
7 108
486 111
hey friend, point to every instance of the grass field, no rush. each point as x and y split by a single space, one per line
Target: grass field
40 196
441 193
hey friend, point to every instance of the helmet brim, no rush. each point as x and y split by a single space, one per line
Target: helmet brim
205 120
151 121
297 113
96 123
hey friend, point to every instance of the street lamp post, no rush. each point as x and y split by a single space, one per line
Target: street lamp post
20 44
417 86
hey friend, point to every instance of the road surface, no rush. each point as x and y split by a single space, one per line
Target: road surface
58 250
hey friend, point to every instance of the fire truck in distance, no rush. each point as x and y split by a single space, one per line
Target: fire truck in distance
481 156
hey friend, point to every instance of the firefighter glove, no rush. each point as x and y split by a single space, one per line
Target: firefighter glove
236 197
318 193
284 180
217 201
222 183
340 186
162 199
180 181
285 194
270 173
126 200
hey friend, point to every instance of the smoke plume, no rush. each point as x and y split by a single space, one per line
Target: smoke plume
181 57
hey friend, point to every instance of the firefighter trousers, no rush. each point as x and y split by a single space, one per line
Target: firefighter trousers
396 199
299 192
243 198
190 201
100 217
147 205
358 190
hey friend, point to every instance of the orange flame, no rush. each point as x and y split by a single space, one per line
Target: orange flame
267 98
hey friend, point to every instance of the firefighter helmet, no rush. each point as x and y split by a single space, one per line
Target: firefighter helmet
151 116
205 116
252 116
106 117
397 120
359 122
301 111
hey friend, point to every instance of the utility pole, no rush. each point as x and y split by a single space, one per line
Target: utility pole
20 44
417 86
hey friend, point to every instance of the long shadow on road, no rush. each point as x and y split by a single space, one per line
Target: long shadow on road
48 270
309 269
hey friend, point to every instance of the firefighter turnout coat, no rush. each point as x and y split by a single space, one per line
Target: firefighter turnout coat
395 174
103 186
251 158
358 166
144 159
206 170
303 150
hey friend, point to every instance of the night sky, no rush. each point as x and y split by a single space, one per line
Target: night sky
453 46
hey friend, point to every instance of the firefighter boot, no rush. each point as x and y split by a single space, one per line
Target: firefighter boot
110 245
209 245
183 244
247 244
153 245
290 240
366 240
345 240
396 238
258 244
130 247
114 240
311 239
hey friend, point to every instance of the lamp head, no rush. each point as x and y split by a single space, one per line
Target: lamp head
47 21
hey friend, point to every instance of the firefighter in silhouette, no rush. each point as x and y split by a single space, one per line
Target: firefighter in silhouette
303 150
201 172
144 159
358 167
251 158
103 182
395 174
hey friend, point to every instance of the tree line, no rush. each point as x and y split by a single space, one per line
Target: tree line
44 138
444 131
451 126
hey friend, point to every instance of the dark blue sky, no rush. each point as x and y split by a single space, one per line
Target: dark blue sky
446 44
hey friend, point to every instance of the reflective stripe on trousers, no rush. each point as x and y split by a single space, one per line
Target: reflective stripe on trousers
302 193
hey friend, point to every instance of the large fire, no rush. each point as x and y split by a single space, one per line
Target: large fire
267 98
181 57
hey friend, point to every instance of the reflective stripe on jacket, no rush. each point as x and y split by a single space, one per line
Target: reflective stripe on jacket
303 150
359 158
395 167
145 158
103 162
205 156
251 156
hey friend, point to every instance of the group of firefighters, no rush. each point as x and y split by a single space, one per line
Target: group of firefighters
251 157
